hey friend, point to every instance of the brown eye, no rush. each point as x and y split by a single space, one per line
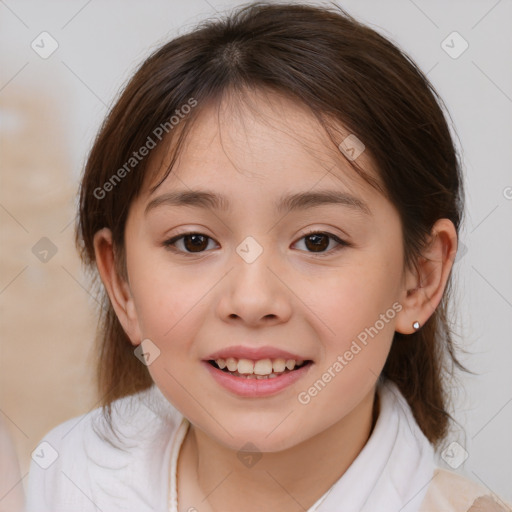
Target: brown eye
317 242
191 242
195 243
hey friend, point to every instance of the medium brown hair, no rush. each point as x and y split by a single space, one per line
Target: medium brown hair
338 68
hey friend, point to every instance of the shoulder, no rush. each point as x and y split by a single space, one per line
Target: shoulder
82 465
451 492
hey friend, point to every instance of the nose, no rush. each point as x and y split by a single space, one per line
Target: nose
255 293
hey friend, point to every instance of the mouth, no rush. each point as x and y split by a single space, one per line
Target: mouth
262 378
261 370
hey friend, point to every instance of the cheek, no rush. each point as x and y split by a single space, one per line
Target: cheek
351 299
355 312
355 309
169 303
166 296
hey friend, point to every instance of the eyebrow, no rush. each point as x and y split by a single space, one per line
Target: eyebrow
209 200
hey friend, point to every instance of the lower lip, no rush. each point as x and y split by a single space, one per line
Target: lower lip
256 387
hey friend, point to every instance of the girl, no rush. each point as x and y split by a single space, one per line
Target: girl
273 206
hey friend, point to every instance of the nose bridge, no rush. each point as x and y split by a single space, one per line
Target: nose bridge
253 291
251 262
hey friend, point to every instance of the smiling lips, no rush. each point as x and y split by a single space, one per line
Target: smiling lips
258 361
251 385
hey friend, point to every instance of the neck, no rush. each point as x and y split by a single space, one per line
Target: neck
288 480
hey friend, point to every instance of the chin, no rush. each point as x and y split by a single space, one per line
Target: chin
264 439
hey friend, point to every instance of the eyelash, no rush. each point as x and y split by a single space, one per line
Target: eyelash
168 244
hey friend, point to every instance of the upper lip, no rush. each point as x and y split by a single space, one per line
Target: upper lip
254 353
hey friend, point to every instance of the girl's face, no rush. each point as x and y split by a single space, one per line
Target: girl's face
252 277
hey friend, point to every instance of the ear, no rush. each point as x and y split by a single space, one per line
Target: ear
423 289
117 287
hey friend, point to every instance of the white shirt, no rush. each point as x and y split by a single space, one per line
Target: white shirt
395 470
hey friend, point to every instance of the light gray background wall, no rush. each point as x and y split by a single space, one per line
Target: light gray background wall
51 109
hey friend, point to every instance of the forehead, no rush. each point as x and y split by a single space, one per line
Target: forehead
273 141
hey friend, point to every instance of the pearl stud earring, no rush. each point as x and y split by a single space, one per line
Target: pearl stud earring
416 325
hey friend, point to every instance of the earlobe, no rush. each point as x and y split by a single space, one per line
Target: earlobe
423 289
116 286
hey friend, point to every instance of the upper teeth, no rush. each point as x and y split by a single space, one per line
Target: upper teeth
261 367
